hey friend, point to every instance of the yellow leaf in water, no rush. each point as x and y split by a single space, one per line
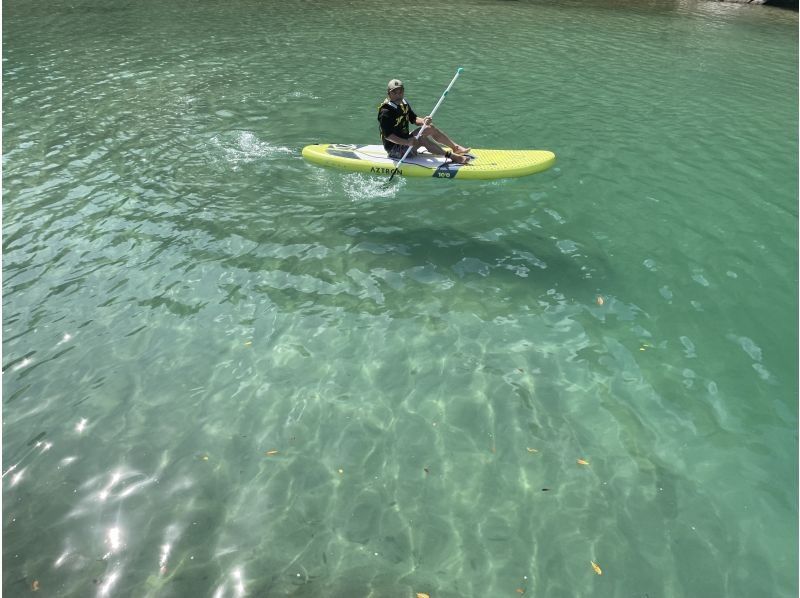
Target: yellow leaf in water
205 457
582 462
596 568
272 452
530 450
248 343
600 300
520 591
35 586
422 595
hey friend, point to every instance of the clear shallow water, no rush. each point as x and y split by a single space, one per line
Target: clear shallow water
183 295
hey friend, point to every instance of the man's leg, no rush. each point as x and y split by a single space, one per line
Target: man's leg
438 150
441 137
431 145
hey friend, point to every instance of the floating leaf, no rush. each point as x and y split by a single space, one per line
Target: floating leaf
596 568
270 453
35 586
422 595
520 591
582 462
600 300
248 343
533 450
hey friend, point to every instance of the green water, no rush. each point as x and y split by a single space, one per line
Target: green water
183 294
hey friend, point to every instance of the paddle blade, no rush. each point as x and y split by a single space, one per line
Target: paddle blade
394 172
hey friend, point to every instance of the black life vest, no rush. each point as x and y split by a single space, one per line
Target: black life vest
401 114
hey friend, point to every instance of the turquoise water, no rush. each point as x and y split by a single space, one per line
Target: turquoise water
184 295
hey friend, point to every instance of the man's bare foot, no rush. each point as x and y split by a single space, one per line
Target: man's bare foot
460 149
460 159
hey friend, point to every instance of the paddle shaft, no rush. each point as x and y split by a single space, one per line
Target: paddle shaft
422 128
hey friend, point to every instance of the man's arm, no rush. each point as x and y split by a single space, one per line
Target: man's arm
400 141
387 127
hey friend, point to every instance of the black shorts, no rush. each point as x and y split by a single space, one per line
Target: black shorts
398 151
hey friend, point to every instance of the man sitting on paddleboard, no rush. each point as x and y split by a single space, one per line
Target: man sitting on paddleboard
394 116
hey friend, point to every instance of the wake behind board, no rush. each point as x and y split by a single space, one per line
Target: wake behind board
487 163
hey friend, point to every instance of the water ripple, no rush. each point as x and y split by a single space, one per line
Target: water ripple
229 372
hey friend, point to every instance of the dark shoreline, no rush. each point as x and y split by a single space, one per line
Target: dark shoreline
788 4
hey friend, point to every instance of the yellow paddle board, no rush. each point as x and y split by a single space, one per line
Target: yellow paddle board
487 163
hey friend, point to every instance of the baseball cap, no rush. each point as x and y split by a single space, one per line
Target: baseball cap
394 84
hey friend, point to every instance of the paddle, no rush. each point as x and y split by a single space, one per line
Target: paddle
422 128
